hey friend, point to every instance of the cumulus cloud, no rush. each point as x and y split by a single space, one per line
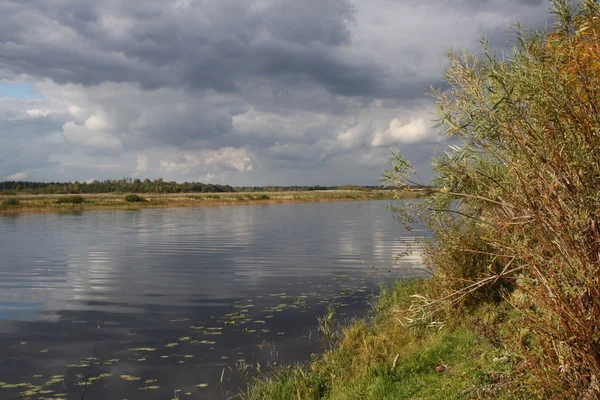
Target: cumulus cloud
171 166
228 157
408 131
208 165
142 164
255 92
19 176
93 135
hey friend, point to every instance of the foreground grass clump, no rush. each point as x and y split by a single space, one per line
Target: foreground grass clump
10 201
385 357
70 200
133 198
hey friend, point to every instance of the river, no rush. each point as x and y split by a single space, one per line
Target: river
172 303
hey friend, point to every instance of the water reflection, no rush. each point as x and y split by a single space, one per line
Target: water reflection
212 282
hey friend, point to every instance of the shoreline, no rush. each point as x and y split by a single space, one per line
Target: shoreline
389 355
32 203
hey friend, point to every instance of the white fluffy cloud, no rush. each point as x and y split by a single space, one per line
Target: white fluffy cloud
209 163
413 130
92 135
142 164
19 176
228 157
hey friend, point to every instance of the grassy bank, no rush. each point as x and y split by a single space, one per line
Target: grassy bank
386 357
62 203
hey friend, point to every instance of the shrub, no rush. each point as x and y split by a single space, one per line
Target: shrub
264 197
133 198
518 200
10 201
70 200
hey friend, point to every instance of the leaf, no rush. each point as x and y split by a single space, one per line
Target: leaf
15 385
130 378
149 388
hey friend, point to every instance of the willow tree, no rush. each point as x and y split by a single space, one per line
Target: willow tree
517 213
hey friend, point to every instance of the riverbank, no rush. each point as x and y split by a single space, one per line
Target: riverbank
70 203
388 357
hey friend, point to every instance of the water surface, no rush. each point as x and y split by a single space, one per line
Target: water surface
164 300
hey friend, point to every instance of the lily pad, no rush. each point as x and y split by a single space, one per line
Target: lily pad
130 378
144 349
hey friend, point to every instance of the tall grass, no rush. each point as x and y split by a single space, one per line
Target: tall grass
328 326
517 216
70 200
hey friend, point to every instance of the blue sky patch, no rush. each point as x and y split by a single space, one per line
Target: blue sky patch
17 90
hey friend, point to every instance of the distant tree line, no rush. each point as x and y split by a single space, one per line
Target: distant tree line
128 185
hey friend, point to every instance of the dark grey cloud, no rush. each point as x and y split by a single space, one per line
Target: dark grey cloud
202 45
205 45
216 45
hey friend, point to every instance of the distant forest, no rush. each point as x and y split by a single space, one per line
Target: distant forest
149 186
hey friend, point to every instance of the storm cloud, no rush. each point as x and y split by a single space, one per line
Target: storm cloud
245 92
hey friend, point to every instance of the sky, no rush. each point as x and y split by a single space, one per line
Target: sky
240 92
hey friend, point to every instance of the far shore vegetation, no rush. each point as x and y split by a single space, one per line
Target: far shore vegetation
512 310
64 203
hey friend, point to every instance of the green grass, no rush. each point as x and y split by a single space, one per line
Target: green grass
70 200
413 377
133 198
415 374
10 201
380 359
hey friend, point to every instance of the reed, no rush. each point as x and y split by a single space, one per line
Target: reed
517 216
